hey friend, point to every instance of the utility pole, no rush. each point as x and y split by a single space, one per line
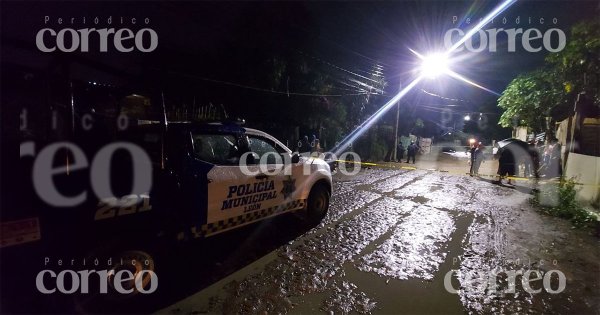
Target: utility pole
395 148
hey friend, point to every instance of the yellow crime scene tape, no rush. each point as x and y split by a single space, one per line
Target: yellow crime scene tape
391 166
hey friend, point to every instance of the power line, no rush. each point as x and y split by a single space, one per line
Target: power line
448 110
444 98
353 51
265 90
344 70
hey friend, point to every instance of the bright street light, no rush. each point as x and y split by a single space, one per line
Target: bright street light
467 118
434 65
431 66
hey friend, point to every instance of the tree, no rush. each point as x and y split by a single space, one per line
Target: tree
551 90
578 64
529 98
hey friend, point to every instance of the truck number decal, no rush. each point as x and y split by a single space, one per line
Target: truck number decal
130 204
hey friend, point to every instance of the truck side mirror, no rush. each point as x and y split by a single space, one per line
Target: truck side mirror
295 158
250 158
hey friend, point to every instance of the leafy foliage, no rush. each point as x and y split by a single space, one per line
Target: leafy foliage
529 98
578 65
563 203
550 90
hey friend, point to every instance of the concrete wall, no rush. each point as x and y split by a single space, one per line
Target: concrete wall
562 130
586 170
425 144
520 133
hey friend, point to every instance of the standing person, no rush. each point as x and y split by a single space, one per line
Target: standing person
313 143
317 146
546 154
472 152
304 145
411 152
400 152
532 166
506 165
479 157
554 160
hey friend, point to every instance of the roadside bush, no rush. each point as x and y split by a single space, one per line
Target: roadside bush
560 201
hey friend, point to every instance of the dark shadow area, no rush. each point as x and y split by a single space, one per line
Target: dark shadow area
197 265
523 189
182 270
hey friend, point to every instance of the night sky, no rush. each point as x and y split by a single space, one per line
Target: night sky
223 40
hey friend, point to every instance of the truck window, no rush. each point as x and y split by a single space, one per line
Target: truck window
219 149
262 146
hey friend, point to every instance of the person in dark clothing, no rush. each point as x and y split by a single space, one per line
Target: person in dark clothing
554 168
533 164
304 145
472 151
411 152
506 165
479 157
400 151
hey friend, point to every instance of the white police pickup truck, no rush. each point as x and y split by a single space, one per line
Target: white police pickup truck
208 178
182 180
229 176
194 179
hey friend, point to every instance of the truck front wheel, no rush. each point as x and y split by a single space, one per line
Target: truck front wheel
318 203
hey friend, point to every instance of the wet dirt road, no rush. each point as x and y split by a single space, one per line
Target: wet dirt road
401 241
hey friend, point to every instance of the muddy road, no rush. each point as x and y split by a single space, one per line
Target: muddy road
401 241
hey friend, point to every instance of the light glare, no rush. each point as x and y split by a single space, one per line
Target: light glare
434 65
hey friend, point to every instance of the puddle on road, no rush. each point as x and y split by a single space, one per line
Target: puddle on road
399 181
435 187
485 255
415 294
345 298
369 176
420 199
380 254
437 193
313 266
415 248
346 200
411 296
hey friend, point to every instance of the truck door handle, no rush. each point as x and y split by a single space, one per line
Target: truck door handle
262 176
